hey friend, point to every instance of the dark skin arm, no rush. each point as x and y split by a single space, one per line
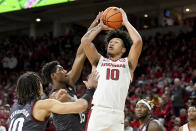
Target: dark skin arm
78 64
154 126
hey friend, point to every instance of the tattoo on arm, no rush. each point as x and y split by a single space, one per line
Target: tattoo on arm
92 30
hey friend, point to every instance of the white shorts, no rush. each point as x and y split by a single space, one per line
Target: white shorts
105 119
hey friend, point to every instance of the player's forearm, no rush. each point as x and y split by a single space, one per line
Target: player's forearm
95 23
135 36
77 65
91 34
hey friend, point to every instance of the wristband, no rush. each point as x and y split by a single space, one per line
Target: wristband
89 94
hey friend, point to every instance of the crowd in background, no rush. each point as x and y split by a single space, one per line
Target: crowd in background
166 72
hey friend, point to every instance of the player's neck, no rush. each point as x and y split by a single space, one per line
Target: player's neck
114 58
143 121
192 123
58 85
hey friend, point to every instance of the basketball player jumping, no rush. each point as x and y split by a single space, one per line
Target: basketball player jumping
115 72
30 113
55 74
191 125
143 112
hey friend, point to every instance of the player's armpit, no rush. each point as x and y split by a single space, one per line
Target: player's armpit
154 126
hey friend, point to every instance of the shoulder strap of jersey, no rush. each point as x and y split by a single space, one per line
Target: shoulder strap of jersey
185 127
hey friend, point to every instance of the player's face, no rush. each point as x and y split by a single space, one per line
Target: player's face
61 74
141 111
192 113
115 47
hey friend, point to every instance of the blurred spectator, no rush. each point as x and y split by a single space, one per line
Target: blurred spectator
127 125
183 116
178 94
2 127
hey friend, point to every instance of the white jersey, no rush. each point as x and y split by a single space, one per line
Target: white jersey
185 127
113 83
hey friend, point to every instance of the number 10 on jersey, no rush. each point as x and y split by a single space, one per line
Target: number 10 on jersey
112 74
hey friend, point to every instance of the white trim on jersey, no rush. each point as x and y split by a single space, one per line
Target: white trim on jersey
185 127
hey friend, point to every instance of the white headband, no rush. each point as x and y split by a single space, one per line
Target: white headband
142 101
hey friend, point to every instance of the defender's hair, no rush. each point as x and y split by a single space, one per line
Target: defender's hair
123 35
28 87
48 69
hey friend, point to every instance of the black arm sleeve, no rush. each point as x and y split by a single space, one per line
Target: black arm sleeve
89 94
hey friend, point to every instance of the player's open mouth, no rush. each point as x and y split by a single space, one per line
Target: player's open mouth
110 48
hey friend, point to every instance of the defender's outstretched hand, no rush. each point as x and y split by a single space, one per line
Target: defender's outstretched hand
63 96
92 80
96 20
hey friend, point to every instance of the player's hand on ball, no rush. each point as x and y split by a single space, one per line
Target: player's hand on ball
124 16
99 16
63 96
96 21
104 27
92 80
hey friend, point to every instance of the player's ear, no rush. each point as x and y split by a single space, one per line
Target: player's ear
123 50
149 112
53 76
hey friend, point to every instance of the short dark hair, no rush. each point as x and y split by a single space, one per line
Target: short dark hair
123 35
28 87
48 69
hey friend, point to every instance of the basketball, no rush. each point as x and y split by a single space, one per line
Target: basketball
112 17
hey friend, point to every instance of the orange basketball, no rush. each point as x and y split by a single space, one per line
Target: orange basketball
112 17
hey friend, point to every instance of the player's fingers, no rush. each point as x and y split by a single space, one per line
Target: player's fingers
61 92
86 83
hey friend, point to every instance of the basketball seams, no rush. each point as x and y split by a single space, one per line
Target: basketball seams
113 15
106 15
115 21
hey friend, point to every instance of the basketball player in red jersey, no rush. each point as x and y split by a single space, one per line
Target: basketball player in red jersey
115 73
191 125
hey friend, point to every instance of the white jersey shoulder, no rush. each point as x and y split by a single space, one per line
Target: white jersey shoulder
185 127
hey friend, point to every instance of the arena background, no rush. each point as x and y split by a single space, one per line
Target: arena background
166 73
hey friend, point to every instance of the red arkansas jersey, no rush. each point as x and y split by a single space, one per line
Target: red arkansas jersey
113 83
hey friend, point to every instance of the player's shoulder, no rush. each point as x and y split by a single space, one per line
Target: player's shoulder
155 125
181 128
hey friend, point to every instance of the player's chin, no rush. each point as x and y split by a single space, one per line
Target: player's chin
139 115
110 53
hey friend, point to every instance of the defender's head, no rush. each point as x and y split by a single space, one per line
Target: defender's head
118 42
29 87
143 108
53 71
